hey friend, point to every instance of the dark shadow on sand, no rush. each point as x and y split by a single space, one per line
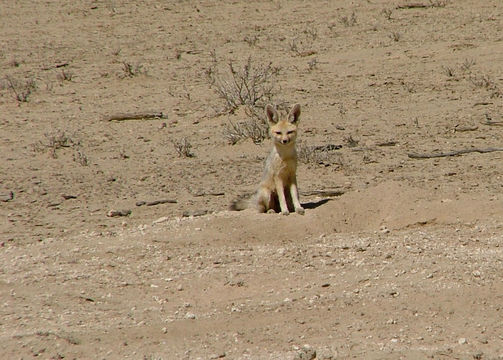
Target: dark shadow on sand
315 204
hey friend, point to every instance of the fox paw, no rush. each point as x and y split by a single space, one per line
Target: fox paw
286 212
300 210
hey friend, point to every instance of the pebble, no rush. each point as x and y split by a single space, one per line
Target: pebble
305 353
115 213
194 213
383 229
7 196
462 341
160 220
190 315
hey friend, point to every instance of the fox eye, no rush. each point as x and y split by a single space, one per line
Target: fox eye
290 132
277 132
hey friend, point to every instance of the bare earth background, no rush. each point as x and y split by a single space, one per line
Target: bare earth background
405 264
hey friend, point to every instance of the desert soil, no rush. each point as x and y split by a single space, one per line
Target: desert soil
396 257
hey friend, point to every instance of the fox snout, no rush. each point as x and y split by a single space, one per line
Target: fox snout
285 141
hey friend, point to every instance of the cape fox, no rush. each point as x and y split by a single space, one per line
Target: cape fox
278 189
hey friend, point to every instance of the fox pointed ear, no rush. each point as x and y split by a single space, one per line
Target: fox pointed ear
294 115
272 114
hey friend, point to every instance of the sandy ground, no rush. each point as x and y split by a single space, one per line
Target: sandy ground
397 257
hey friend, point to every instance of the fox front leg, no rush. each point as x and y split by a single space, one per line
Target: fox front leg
280 189
295 199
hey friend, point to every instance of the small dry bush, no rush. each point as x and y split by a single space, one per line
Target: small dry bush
54 141
21 90
320 155
487 82
132 70
65 75
349 20
254 129
183 147
350 141
250 85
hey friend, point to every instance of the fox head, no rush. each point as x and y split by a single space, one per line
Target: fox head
284 131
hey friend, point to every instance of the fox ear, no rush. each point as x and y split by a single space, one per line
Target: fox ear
272 114
294 115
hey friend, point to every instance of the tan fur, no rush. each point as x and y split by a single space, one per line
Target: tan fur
278 189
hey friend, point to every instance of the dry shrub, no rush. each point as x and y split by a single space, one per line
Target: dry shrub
320 155
253 128
53 141
183 148
21 90
251 85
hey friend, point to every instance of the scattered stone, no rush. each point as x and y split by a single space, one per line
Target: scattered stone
7 197
160 220
211 193
305 353
218 356
116 213
156 202
163 201
383 229
189 213
68 197
462 341
190 316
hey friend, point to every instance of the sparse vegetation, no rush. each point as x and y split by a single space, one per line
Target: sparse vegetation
21 90
53 141
395 36
448 71
350 141
65 75
467 64
312 64
183 148
320 155
349 20
250 86
487 82
80 157
251 40
131 70
387 13
254 129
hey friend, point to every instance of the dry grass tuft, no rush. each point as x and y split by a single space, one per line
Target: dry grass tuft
183 148
251 85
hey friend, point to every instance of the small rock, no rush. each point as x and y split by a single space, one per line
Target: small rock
7 197
305 353
194 213
190 315
160 220
116 213
462 341
383 229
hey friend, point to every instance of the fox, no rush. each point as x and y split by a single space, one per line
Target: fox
278 191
